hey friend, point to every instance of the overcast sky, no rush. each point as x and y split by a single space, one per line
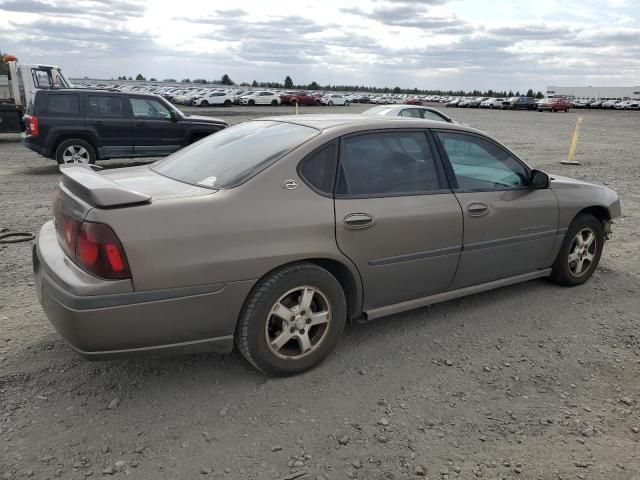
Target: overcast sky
457 44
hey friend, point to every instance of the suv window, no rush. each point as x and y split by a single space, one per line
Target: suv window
319 168
106 106
63 104
394 163
148 108
480 164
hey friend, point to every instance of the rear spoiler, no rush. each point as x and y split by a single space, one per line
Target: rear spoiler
98 190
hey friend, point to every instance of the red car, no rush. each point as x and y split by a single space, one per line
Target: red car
554 105
286 97
414 101
304 98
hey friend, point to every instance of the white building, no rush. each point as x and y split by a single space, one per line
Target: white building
622 93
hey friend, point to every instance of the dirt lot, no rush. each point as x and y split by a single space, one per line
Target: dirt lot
532 381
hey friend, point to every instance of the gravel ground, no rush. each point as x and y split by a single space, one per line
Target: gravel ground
532 381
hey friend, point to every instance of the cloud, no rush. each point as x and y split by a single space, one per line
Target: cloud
85 8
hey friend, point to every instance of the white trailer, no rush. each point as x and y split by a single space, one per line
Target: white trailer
24 81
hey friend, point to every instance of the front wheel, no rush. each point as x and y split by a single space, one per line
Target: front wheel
204 103
252 103
330 103
292 320
580 252
75 151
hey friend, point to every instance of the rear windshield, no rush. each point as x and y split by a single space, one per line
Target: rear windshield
233 155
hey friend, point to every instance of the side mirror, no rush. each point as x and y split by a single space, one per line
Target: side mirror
174 115
539 180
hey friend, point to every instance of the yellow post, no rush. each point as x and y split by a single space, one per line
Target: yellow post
574 145
296 108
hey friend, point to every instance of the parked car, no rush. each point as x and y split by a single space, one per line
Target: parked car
453 103
214 98
415 101
475 103
248 236
304 98
464 102
261 97
334 99
596 104
610 103
492 103
554 105
410 111
83 125
633 105
519 103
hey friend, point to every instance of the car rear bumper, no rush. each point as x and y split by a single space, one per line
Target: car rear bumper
39 149
121 323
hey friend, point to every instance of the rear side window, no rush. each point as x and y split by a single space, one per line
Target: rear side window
319 168
387 164
106 106
63 104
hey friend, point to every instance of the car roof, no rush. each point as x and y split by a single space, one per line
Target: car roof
102 91
351 121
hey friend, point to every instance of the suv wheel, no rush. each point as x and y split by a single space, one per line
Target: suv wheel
227 103
204 103
292 320
252 102
580 252
75 150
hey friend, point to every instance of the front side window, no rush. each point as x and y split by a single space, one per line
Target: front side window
387 164
104 106
233 155
149 108
61 104
480 164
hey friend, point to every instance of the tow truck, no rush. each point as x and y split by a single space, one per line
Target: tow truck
24 81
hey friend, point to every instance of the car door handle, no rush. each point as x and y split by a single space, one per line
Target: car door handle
141 124
355 221
97 124
477 209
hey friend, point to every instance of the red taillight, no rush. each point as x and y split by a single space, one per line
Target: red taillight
99 252
33 129
92 246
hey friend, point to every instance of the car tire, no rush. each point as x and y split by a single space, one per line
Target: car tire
330 103
569 268
285 290
294 102
316 102
204 103
227 103
274 102
75 150
251 103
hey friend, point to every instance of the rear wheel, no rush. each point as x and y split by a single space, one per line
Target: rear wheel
292 320
274 102
294 102
580 252
227 103
316 103
331 103
75 150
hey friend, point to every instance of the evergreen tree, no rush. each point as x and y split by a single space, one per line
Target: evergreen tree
288 83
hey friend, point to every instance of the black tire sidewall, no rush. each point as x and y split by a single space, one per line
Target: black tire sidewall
74 141
255 318
561 273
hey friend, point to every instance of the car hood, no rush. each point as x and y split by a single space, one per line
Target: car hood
203 119
142 179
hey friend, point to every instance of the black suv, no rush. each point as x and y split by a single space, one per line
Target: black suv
82 125
519 103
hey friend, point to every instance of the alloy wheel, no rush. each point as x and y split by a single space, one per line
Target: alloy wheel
298 323
75 154
582 252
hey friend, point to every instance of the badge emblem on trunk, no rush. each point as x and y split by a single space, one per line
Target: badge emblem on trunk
290 184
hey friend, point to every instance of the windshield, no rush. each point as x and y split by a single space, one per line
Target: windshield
232 156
